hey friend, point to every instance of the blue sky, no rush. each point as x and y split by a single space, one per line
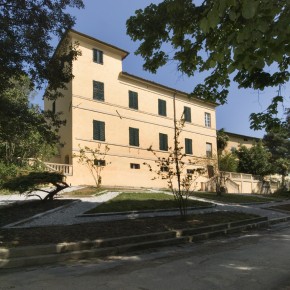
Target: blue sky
106 20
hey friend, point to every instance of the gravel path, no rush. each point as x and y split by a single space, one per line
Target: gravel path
69 215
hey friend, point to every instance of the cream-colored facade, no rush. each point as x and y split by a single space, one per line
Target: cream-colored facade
125 162
236 140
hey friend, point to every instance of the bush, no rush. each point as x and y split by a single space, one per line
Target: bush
7 171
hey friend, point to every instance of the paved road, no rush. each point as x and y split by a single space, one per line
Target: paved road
256 260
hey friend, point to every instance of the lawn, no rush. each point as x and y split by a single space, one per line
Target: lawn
131 201
233 198
284 207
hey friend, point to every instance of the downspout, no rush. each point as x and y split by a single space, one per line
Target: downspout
176 143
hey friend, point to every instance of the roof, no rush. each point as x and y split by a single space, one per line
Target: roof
123 52
242 136
125 74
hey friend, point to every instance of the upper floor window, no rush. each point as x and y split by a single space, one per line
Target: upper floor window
133 136
98 91
207 120
188 146
187 114
134 165
163 142
208 150
99 130
133 100
161 107
98 56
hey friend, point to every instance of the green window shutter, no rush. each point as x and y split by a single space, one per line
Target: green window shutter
98 56
133 100
98 91
133 136
188 146
163 142
161 107
98 130
187 114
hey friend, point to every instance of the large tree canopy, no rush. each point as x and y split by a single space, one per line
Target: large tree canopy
26 31
231 39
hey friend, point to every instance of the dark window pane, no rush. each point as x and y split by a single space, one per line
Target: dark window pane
163 142
98 56
98 91
161 107
188 146
133 100
98 130
133 136
187 114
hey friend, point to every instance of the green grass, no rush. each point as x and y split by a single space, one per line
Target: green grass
233 198
141 201
85 192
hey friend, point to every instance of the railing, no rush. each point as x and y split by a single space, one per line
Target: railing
65 169
232 186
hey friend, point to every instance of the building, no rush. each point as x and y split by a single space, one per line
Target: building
105 105
236 140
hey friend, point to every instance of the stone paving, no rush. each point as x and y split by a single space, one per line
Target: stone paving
70 214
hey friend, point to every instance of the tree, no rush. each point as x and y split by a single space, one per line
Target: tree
25 133
254 160
172 168
94 160
222 141
27 28
27 184
229 39
278 143
228 162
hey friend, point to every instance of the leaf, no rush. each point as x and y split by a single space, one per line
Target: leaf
204 25
249 8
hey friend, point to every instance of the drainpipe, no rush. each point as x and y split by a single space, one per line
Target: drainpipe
176 143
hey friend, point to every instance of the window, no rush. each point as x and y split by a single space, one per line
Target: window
98 91
133 136
210 171
98 130
189 171
163 142
188 146
164 169
98 56
187 114
208 150
53 107
161 107
133 100
99 162
207 120
134 166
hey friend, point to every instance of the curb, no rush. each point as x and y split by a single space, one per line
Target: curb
143 211
39 215
68 252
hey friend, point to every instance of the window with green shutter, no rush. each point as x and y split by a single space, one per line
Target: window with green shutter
187 114
98 56
133 136
188 146
99 130
133 100
163 142
98 91
161 107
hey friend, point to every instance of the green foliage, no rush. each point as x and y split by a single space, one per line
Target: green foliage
24 130
27 28
222 140
31 181
7 171
94 160
229 39
228 162
254 160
